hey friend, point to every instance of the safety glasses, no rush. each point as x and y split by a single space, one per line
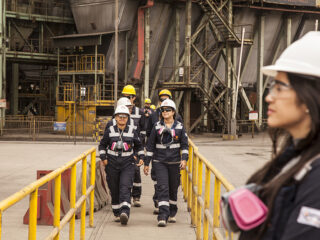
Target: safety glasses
162 99
166 109
277 88
129 97
122 116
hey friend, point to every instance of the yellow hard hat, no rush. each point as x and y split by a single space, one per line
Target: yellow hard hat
165 92
153 107
129 89
148 100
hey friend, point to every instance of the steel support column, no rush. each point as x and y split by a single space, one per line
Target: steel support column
14 89
147 52
95 72
2 60
288 31
206 76
161 60
176 47
116 25
126 59
41 38
187 64
259 66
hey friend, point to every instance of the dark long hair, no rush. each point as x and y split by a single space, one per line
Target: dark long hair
308 93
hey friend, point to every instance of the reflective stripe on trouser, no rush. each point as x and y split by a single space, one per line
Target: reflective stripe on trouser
153 177
120 183
168 181
136 190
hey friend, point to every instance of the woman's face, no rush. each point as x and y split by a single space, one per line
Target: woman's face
284 109
121 119
167 112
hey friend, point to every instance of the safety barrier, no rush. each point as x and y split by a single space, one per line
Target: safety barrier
32 190
198 201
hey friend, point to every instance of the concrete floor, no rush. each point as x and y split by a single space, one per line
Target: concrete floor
237 160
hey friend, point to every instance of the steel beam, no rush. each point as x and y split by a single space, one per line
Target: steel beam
208 65
176 45
2 61
187 65
260 64
14 89
39 18
206 73
288 31
162 58
116 26
147 53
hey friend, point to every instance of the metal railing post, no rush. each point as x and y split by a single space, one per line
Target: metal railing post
73 182
92 183
206 204
83 207
199 195
216 199
189 183
33 207
193 193
57 194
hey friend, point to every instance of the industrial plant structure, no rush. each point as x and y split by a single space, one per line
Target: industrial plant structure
68 60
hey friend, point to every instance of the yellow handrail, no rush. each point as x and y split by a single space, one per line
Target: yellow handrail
192 185
32 190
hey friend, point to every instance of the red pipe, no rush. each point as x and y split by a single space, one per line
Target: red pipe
140 63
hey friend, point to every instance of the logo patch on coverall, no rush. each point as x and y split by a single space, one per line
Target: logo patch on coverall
309 216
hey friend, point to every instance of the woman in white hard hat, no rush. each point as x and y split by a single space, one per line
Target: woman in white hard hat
290 182
167 146
116 150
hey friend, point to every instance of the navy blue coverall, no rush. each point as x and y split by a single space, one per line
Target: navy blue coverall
121 164
167 151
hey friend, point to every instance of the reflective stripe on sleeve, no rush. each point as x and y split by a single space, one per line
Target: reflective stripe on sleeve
137 184
141 152
143 132
176 145
185 152
149 154
102 152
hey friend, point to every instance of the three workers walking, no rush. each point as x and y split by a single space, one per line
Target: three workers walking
122 153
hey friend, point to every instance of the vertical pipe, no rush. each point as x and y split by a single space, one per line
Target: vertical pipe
95 73
206 74
187 63
206 203
177 46
33 207
57 199
74 108
126 60
199 180
92 183
116 22
259 66
2 62
73 182
41 38
83 207
147 52
14 98
288 31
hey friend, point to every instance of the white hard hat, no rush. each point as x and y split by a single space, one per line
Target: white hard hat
301 57
124 101
122 109
168 103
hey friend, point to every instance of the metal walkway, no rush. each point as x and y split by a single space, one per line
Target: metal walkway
142 223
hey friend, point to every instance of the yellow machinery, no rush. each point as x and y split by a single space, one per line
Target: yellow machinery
82 93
